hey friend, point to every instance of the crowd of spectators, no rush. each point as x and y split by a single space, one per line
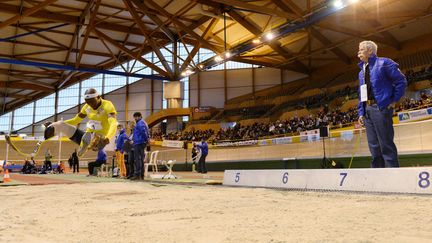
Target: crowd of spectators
291 126
295 125
412 104
193 135
422 74
156 134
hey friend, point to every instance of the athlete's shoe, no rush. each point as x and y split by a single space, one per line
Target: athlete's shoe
97 142
85 142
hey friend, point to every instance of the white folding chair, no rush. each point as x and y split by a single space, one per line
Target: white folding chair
152 162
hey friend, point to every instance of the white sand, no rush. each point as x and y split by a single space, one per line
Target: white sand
140 212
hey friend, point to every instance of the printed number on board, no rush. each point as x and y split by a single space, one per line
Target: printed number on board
237 177
344 175
285 178
424 179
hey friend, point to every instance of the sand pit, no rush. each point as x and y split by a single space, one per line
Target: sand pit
141 212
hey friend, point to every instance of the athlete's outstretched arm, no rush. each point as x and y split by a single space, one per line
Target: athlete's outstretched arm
76 119
112 121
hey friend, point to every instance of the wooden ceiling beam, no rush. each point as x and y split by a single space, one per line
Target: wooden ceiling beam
289 7
357 34
190 57
15 96
25 13
183 27
24 73
21 85
259 62
19 102
387 35
389 38
207 32
75 36
143 28
155 19
128 43
27 43
90 26
326 42
31 81
179 13
45 38
197 47
64 18
130 53
274 44
37 53
256 8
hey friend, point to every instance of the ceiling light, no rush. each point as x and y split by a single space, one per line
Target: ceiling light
187 72
200 66
218 58
354 1
227 54
256 41
269 36
338 3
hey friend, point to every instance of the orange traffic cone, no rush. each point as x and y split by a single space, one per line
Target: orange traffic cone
6 177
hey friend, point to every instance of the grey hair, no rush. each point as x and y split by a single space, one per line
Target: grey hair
370 45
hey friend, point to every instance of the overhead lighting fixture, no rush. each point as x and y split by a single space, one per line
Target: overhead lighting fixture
256 41
338 4
227 54
200 66
354 1
218 58
269 36
187 72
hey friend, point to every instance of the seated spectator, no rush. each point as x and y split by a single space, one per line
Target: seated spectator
60 168
29 167
100 160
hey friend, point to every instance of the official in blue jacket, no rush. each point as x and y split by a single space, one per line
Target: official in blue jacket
140 140
203 148
382 84
120 140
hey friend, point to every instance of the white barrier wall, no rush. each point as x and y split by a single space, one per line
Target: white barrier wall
387 180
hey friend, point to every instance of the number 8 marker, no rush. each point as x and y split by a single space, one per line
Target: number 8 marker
424 177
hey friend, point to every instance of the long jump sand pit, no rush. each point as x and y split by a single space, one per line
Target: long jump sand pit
144 212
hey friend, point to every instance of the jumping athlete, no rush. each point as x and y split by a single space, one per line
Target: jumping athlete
101 125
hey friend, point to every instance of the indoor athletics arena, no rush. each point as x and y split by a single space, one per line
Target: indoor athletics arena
216 121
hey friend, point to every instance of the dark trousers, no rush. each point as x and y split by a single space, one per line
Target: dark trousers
380 135
48 165
93 165
129 161
75 167
139 159
201 164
